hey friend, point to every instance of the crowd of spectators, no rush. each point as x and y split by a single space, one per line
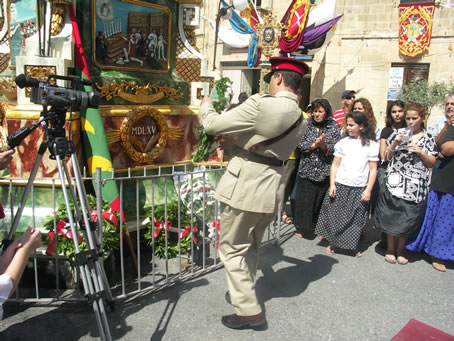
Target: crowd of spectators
400 177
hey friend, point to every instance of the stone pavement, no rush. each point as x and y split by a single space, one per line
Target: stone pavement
307 295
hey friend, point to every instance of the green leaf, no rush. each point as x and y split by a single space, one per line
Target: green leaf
427 94
204 147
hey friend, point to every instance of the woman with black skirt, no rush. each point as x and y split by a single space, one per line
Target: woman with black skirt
316 155
402 200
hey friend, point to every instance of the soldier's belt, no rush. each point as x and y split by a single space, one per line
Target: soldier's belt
257 158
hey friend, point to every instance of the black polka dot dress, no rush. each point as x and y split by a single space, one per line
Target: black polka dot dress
343 217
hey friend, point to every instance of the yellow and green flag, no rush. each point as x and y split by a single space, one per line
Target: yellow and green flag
93 134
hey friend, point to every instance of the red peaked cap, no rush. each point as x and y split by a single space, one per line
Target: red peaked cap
287 64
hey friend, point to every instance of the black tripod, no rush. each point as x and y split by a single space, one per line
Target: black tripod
91 270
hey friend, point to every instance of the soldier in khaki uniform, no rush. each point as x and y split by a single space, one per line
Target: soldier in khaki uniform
265 129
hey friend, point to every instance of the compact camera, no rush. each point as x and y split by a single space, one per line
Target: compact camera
407 136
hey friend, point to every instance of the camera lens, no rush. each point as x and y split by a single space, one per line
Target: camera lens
93 100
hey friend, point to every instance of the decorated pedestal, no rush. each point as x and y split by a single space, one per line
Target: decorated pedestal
150 79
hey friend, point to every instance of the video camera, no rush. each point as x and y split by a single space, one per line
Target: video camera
45 94
58 99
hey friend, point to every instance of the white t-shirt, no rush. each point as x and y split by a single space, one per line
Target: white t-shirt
354 166
6 285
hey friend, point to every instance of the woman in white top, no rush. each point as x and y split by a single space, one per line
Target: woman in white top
345 207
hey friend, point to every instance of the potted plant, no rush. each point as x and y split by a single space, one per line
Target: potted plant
61 237
164 227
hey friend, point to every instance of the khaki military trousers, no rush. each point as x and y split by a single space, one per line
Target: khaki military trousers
240 239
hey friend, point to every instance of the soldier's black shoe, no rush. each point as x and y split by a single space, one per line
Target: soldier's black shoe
235 321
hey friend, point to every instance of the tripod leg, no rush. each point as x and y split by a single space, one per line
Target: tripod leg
85 212
87 262
93 240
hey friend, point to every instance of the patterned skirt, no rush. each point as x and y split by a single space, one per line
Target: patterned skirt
343 217
398 217
436 236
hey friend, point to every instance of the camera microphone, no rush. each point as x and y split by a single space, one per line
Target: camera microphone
22 81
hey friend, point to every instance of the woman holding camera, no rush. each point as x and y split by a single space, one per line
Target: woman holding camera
402 200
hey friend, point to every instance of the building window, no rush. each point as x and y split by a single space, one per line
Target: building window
402 74
413 71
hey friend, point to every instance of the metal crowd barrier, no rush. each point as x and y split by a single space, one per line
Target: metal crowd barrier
134 267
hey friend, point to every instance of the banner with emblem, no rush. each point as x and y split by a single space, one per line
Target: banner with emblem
295 20
415 28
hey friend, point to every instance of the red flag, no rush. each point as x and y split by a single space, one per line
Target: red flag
251 16
295 19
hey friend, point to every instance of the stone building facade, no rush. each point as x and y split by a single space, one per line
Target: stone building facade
359 56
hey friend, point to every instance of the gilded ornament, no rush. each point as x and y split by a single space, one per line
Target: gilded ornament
3 128
134 93
8 88
40 72
269 34
58 16
157 141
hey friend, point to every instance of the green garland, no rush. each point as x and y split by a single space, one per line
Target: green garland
205 145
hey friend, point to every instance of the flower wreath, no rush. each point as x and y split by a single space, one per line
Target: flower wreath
129 141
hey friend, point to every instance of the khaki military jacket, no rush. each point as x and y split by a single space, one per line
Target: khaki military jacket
247 185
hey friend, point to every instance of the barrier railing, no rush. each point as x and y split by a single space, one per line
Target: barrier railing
167 232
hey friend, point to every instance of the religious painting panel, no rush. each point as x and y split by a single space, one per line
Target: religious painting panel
21 26
131 35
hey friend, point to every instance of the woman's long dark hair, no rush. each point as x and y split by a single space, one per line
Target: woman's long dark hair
324 103
389 117
368 111
367 134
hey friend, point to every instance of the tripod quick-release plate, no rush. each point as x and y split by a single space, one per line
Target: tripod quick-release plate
86 257
99 295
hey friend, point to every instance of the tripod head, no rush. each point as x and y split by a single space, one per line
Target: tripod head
57 143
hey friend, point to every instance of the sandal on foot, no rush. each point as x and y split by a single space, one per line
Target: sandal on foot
286 219
438 266
402 260
329 250
298 235
289 220
358 254
320 238
390 259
